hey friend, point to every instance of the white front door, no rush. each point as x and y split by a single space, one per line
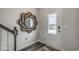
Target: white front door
53 30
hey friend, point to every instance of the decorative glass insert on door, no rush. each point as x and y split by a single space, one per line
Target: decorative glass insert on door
52 22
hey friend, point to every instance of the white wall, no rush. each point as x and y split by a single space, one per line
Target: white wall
9 18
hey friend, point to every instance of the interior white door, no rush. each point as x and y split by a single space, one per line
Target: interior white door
53 31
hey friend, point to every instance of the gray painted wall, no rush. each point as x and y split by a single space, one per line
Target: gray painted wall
70 28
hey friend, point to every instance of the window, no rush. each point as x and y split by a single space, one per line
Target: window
52 23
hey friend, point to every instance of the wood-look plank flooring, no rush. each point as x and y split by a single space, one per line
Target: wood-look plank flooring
38 46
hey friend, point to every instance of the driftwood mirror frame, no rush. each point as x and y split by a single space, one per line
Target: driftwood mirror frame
22 19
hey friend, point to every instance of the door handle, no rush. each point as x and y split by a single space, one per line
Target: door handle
59 29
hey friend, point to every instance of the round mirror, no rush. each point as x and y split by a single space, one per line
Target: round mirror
29 22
